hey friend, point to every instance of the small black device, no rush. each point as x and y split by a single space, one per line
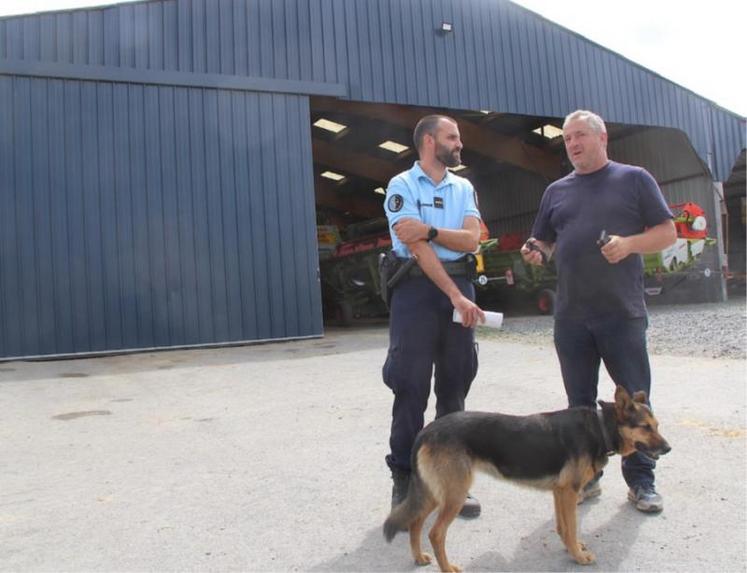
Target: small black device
432 233
532 246
603 239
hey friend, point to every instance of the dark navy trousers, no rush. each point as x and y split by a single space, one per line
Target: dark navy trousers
425 343
621 344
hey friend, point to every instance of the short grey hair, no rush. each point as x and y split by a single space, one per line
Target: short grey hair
589 118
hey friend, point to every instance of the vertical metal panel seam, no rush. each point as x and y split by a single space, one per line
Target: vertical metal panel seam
535 66
175 256
547 85
257 213
388 59
61 185
379 67
201 165
246 260
189 266
36 229
4 321
92 246
40 169
451 53
328 42
294 47
113 267
477 47
408 48
479 16
287 274
308 238
220 234
145 198
14 168
495 98
281 41
506 54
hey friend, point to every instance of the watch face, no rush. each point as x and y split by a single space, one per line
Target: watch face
432 232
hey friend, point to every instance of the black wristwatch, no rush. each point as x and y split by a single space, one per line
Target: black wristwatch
432 233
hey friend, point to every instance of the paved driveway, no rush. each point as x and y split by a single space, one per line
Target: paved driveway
271 458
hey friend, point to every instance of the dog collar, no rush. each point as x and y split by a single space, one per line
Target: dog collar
609 448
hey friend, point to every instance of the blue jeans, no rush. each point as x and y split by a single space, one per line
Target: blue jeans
621 344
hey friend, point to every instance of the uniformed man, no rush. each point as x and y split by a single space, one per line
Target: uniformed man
433 216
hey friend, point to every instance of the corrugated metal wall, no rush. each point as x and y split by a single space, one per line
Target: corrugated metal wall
509 202
499 57
142 216
669 157
145 215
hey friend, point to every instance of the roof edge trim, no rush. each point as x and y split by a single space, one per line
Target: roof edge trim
168 78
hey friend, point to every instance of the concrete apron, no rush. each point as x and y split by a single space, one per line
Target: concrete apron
272 458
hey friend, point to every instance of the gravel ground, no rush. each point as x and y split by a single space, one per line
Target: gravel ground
715 330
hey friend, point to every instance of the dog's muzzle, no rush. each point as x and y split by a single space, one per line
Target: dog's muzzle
653 452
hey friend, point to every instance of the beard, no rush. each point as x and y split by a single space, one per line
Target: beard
448 158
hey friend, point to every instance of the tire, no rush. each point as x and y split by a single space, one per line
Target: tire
546 301
345 313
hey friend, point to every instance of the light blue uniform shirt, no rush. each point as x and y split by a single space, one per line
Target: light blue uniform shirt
412 194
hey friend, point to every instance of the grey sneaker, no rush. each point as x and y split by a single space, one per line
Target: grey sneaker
471 507
646 499
591 489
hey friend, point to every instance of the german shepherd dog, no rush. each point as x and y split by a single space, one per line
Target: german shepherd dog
559 451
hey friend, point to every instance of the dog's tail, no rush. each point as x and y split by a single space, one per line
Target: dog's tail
405 513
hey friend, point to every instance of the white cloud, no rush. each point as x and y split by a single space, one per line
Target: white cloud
699 45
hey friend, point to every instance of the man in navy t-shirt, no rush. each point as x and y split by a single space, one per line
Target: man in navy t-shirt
597 222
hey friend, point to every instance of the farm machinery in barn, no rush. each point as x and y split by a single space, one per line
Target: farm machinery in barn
350 279
678 261
503 266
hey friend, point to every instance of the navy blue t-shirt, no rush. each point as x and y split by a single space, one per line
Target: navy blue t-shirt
623 200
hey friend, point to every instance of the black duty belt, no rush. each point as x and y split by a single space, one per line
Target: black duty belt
459 268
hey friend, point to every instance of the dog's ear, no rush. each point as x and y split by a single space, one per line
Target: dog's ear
621 395
622 402
605 405
640 396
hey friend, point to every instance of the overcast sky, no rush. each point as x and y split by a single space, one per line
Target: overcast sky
699 45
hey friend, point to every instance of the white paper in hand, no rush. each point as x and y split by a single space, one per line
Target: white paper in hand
492 319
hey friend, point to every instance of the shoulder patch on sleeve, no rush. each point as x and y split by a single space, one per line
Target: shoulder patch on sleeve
395 203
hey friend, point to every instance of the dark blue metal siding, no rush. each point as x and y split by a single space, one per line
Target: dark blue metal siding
140 211
142 216
499 57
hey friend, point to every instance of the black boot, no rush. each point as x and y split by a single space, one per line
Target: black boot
400 484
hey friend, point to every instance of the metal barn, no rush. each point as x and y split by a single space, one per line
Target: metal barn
160 171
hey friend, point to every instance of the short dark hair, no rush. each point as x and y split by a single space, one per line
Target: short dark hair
428 124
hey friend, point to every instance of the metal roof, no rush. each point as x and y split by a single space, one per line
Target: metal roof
498 56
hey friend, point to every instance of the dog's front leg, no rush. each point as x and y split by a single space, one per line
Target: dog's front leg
566 502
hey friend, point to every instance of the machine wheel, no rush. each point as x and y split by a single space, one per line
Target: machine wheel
345 313
546 301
